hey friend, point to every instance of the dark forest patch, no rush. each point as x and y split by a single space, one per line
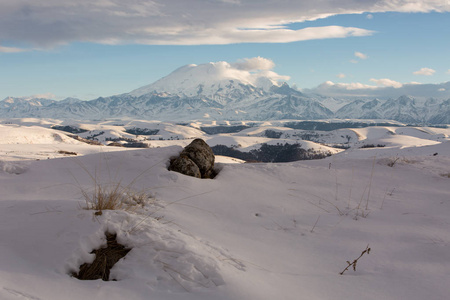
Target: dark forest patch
272 153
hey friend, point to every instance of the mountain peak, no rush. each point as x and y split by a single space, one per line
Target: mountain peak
206 79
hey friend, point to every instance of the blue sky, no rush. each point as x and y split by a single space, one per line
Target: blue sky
105 47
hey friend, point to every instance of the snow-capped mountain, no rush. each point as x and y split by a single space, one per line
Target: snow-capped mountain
217 81
218 91
12 102
209 91
404 109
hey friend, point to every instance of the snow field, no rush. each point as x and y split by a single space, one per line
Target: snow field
257 231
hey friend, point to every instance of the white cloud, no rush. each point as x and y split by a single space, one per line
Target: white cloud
385 82
353 61
425 72
448 71
340 75
255 63
360 55
369 16
441 90
274 77
254 70
380 84
260 35
345 86
44 96
47 23
250 70
11 50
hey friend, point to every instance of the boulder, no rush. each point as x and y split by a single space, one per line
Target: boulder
196 159
184 165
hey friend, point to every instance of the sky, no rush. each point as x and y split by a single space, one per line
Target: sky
87 49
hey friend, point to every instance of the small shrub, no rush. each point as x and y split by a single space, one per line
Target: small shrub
445 175
113 196
141 131
90 142
272 134
94 136
223 129
115 144
391 163
67 152
69 128
103 197
372 146
409 161
136 145
339 146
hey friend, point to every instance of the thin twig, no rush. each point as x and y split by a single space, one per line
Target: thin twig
351 187
370 182
318 217
170 203
367 250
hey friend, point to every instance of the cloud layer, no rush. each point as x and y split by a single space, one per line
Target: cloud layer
386 82
384 88
47 23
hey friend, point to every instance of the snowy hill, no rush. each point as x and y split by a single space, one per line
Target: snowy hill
256 231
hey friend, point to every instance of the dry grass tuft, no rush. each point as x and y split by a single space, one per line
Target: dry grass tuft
445 175
392 161
114 196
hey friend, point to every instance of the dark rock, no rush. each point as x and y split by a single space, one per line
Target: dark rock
184 165
202 155
196 159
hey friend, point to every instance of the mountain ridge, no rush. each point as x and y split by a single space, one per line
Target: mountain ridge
216 91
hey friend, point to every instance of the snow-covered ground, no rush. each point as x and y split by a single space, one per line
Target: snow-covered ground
256 231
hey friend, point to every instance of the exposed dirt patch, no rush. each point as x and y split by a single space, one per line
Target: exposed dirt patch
105 259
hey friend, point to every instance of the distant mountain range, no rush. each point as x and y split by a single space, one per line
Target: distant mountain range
200 93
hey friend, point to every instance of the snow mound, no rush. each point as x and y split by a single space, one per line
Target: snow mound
13 167
162 257
12 134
